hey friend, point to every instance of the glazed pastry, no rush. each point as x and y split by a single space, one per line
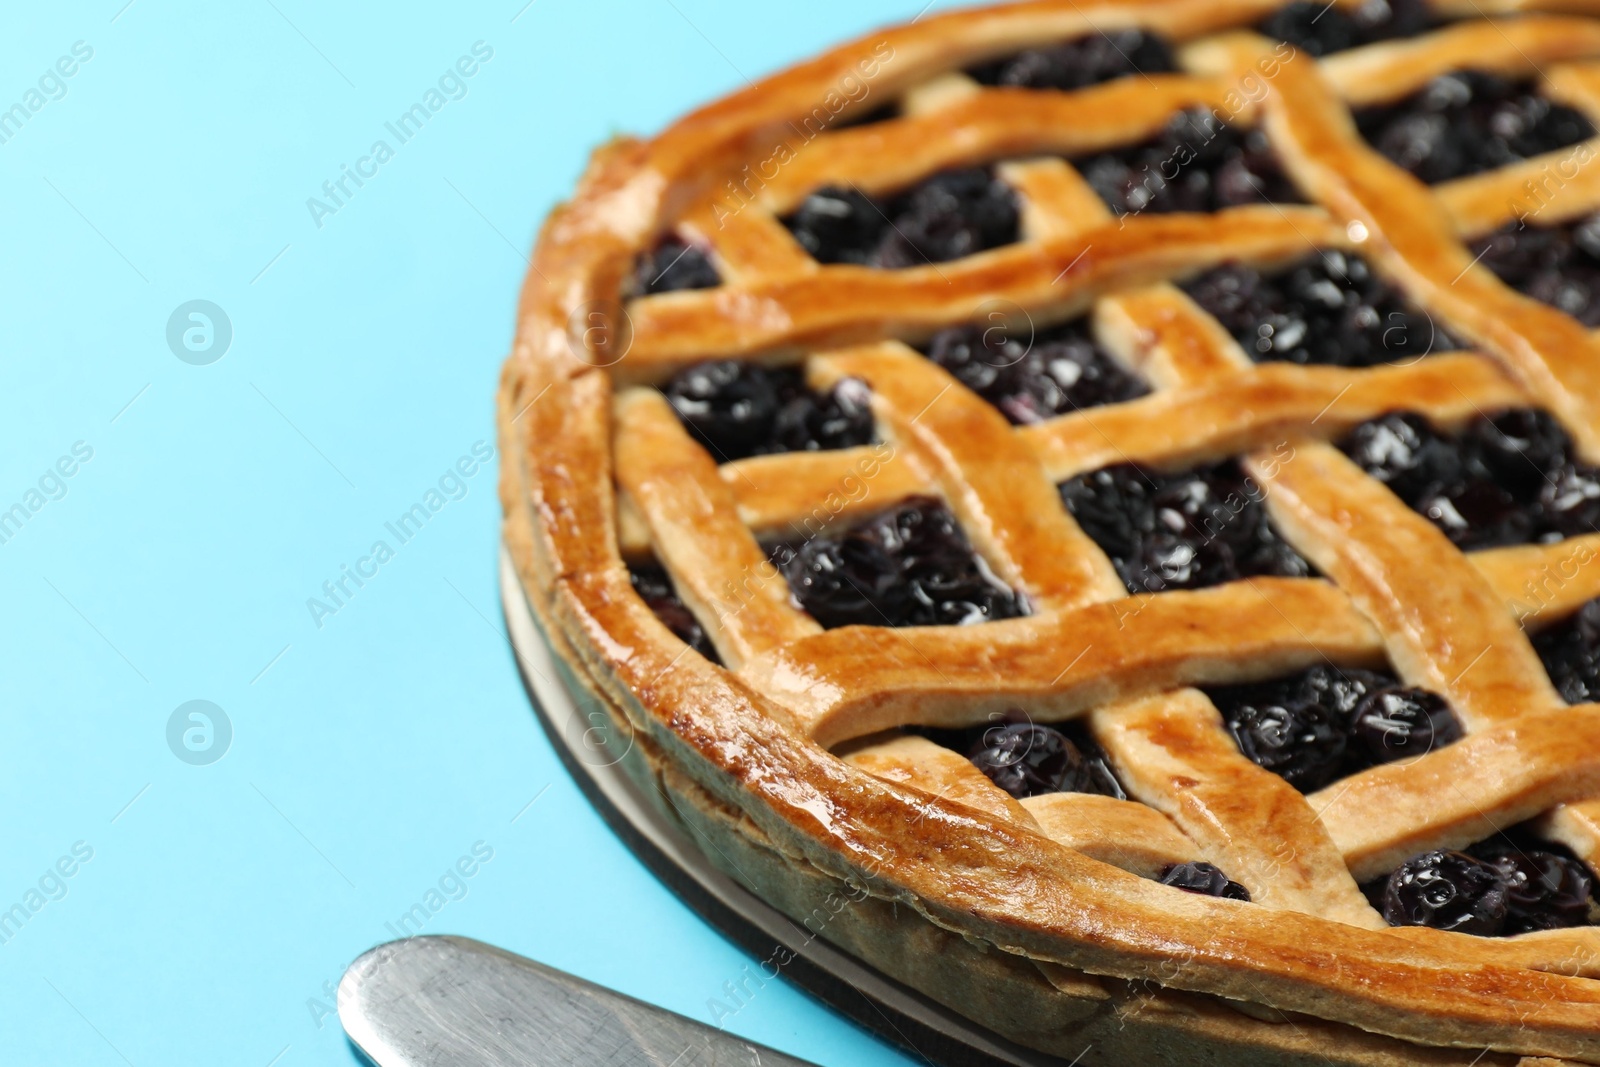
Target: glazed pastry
1114 487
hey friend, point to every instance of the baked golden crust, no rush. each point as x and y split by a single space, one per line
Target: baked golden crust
1033 884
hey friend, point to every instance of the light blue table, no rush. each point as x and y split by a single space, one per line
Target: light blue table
170 518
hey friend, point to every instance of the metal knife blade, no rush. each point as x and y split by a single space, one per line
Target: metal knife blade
455 1002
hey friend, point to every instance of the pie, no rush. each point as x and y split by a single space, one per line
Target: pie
1108 490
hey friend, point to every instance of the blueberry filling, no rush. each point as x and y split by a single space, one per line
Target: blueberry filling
1197 163
1180 531
1320 29
1468 122
1401 722
1328 309
1203 878
1305 727
1299 742
1027 759
1033 379
1326 722
1559 265
839 225
1547 887
652 584
672 266
909 566
1571 653
742 409
1080 63
1446 890
1506 480
1508 884
950 215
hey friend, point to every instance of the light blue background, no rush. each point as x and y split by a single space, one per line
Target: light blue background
369 754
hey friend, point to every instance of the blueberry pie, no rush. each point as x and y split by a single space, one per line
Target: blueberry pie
1115 486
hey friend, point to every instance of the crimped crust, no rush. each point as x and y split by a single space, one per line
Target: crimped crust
988 892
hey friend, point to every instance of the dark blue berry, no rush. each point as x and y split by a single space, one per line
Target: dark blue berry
1338 690
1329 309
838 225
1403 451
1401 722
812 422
1559 265
1301 743
1276 557
1478 514
1467 122
909 566
1203 878
1545 889
1320 29
1112 505
1186 530
728 406
1173 561
674 265
1299 726
740 409
1505 480
1218 510
1570 501
1315 29
1509 884
1197 163
950 215
1520 449
1447 891
655 588
1026 759
1571 654
1077 64
1031 379
1384 20
1326 722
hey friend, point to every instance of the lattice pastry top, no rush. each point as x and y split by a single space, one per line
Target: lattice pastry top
1044 458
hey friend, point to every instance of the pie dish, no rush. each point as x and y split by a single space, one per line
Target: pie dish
1091 507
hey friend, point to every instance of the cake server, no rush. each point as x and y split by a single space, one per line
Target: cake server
455 1002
